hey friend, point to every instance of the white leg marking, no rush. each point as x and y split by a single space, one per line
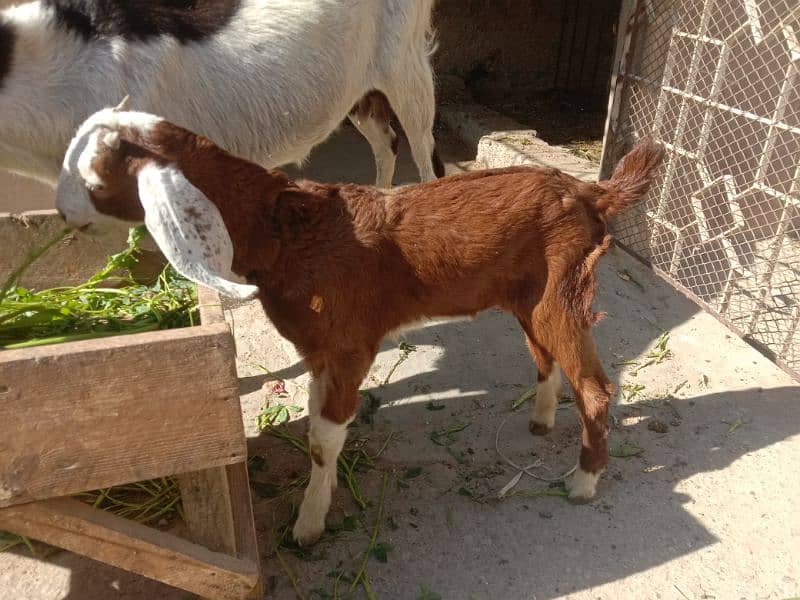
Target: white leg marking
381 138
582 485
546 400
326 440
416 112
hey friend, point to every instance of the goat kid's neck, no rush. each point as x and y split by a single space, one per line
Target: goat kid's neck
244 193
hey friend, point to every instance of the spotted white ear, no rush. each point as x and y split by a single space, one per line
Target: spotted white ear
189 230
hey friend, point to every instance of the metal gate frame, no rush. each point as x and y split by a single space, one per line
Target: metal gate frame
725 233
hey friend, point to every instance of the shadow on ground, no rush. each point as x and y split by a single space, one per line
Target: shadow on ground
646 514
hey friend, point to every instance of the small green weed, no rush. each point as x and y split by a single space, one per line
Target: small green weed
523 398
447 436
405 350
626 450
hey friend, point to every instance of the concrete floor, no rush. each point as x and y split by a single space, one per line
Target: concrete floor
707 510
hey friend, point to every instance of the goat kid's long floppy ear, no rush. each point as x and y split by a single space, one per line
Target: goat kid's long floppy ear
189 230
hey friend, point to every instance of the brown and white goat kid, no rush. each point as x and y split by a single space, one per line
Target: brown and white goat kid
337 267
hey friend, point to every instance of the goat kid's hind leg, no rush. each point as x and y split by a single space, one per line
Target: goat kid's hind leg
575 351
548 390
333 401
372 117
414 101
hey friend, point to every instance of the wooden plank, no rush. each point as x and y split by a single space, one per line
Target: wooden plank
243 520
218 511
92 414
73 260
242 505
75 526
210 306
206 500
627 9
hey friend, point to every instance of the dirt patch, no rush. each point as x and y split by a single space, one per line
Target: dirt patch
570 119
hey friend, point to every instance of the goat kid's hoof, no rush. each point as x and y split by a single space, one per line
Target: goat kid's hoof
307 531
582 486
539 428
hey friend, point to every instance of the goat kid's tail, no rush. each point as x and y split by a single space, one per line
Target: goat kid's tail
631 178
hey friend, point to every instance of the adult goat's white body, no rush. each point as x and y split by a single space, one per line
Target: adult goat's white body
269 84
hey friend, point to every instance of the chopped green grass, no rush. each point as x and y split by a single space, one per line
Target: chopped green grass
447 436
523 398
626 450
405 350
426 594
147 502
109 303
362 575
12 540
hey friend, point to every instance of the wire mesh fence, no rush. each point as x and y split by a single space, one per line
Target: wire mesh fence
718 82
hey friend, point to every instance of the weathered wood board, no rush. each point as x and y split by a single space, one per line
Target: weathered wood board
71 261
97 413
72 525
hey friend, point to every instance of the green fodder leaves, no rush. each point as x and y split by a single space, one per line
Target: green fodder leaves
109 303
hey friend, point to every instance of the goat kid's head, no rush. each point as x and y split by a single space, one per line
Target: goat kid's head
112 175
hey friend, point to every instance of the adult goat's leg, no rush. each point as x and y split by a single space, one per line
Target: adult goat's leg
333 402
372 117
414 101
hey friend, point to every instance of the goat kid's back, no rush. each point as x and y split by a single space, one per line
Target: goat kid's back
472 241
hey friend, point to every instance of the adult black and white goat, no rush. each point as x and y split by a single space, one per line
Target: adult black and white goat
267 79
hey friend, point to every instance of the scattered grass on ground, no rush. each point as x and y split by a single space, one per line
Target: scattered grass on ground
568 119
405 350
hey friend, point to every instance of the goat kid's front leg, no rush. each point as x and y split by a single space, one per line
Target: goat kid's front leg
325 441
333 402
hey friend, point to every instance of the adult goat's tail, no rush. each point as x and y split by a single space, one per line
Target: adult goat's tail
631 178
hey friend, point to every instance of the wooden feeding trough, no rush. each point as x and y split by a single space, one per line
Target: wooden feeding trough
97 413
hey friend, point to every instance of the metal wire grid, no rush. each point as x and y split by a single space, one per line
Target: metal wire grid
718 82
